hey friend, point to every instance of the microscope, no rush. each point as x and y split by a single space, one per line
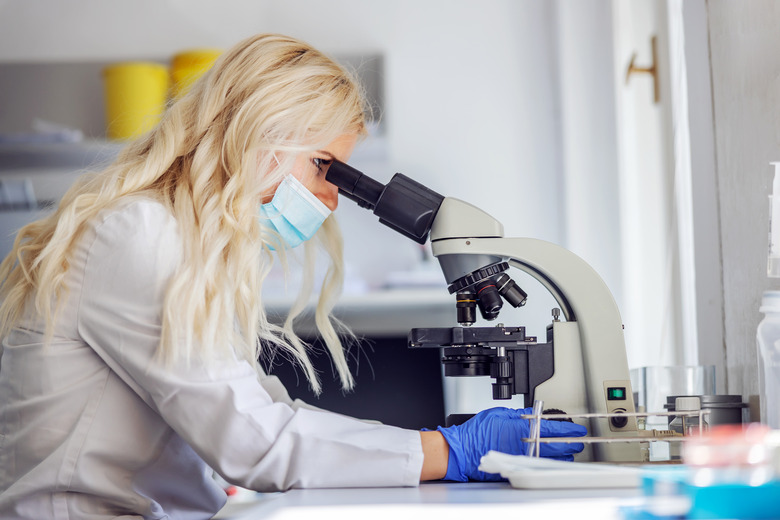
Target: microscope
581 368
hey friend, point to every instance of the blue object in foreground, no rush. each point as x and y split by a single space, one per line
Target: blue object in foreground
735 501
663 486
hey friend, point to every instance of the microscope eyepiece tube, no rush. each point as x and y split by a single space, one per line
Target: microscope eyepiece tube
403 204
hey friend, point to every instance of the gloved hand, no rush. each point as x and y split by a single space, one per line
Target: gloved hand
501 429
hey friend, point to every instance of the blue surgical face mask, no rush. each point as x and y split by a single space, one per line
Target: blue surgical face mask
294 212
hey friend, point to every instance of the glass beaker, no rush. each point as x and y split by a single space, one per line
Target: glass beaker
652 385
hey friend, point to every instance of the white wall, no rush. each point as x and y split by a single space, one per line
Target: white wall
471 93
648 221
696 84
744 38
591 182
469 85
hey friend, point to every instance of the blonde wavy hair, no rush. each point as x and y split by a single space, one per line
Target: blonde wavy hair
209 161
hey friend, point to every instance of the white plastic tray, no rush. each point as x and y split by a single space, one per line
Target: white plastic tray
539 473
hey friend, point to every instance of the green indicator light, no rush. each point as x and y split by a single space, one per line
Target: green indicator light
616 394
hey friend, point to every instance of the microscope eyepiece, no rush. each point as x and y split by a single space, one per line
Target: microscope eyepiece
402 204
354 185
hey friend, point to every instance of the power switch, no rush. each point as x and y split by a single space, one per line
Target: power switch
616 393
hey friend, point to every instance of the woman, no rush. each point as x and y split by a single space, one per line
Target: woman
130 316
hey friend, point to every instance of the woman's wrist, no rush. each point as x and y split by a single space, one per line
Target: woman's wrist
436 453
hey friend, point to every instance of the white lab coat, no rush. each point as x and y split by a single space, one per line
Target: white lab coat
92 427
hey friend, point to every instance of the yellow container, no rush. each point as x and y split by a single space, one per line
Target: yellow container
188 66
135 94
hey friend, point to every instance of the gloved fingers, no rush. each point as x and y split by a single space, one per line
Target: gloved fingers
550 428
561 449
562 429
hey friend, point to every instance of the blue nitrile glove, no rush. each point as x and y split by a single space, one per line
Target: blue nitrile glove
501 429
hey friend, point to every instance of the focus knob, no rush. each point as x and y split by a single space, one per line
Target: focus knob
502 391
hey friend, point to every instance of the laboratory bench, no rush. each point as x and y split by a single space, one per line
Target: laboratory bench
450 500
385 317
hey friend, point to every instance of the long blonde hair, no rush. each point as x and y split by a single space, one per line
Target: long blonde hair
209 161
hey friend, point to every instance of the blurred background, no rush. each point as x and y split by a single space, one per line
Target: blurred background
636 134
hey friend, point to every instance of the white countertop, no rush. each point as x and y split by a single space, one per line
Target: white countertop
448 500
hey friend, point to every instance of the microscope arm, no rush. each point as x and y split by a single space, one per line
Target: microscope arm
587 299
593 320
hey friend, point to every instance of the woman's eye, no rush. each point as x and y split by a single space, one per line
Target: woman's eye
321 164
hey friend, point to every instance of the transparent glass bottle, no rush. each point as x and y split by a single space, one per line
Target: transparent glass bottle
768 340
685 425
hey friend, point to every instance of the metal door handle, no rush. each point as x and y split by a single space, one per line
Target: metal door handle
652 69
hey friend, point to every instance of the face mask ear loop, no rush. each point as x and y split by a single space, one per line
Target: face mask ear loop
278 167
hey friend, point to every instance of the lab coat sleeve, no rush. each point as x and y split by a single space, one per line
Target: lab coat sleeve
221 409
278 393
